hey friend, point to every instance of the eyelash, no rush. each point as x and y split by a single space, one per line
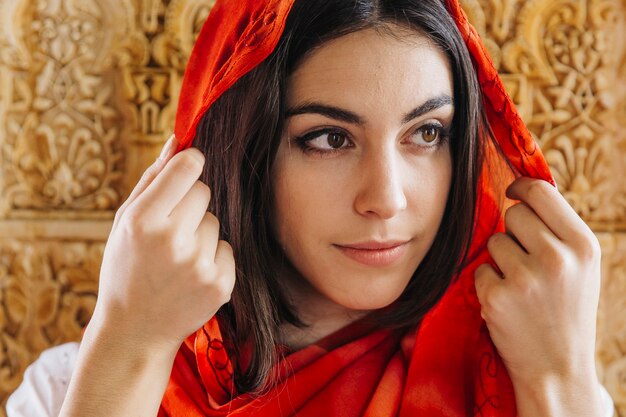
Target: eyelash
444 134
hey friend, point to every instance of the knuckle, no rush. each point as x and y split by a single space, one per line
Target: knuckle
561 262
177 247
495 241
196 154
509 216
518 271
481 270
210 224
493 302
149 172
538 189
589 247
551 255
225 254
202 187
189 161
557 264
148 175
221 283
142 229
481 279
214 224
512 212
212 220
491 242
225 291
134 223
200 267
526 287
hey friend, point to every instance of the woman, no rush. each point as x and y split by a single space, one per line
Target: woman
357 165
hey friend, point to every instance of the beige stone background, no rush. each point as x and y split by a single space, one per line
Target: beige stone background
88 92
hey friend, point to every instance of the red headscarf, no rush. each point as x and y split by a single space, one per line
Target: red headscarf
449 366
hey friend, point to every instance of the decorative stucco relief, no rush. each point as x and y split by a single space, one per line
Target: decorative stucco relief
88 93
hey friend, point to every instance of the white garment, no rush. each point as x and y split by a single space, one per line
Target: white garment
45 384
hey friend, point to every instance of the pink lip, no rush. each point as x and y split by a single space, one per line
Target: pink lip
375 253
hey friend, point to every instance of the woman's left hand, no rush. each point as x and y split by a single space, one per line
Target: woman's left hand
541 311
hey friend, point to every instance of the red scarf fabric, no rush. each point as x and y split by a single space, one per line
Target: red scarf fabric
448 366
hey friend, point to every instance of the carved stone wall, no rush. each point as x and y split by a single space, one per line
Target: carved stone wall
564 64
88 92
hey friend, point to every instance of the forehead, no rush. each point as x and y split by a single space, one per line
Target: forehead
371 69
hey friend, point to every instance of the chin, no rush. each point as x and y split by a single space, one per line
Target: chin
365 301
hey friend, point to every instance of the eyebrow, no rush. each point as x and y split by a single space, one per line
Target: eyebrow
347 116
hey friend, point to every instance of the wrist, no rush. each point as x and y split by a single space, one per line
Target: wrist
116 374
556 395
117 336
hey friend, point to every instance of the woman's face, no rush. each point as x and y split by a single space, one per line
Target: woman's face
363 171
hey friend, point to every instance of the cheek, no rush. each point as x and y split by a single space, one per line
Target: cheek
305 202
429 194
443 180
313 202
442 187
430 176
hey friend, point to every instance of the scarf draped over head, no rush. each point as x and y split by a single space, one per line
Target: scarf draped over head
449 365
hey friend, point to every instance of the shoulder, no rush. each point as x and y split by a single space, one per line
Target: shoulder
45 383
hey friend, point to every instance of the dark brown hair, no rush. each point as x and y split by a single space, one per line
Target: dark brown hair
240 135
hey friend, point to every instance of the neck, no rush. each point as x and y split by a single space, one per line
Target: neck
320 315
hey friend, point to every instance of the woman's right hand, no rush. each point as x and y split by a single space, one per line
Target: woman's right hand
164 272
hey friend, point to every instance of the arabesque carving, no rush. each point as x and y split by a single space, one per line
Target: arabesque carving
611 343
47 294
60 147
565 57
88 93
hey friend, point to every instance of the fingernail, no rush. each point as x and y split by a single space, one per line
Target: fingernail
166 148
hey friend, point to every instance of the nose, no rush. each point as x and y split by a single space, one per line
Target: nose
381 190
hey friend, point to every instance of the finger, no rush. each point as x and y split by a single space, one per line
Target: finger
523 224
172 184
489 285
225 262
148 176
153 170
207 234
192 208
225 258
550 206
507 254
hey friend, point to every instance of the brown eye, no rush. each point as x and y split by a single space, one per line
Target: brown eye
336 140
430 134
325 141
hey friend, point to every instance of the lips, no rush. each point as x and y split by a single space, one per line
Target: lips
374 253
374 245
